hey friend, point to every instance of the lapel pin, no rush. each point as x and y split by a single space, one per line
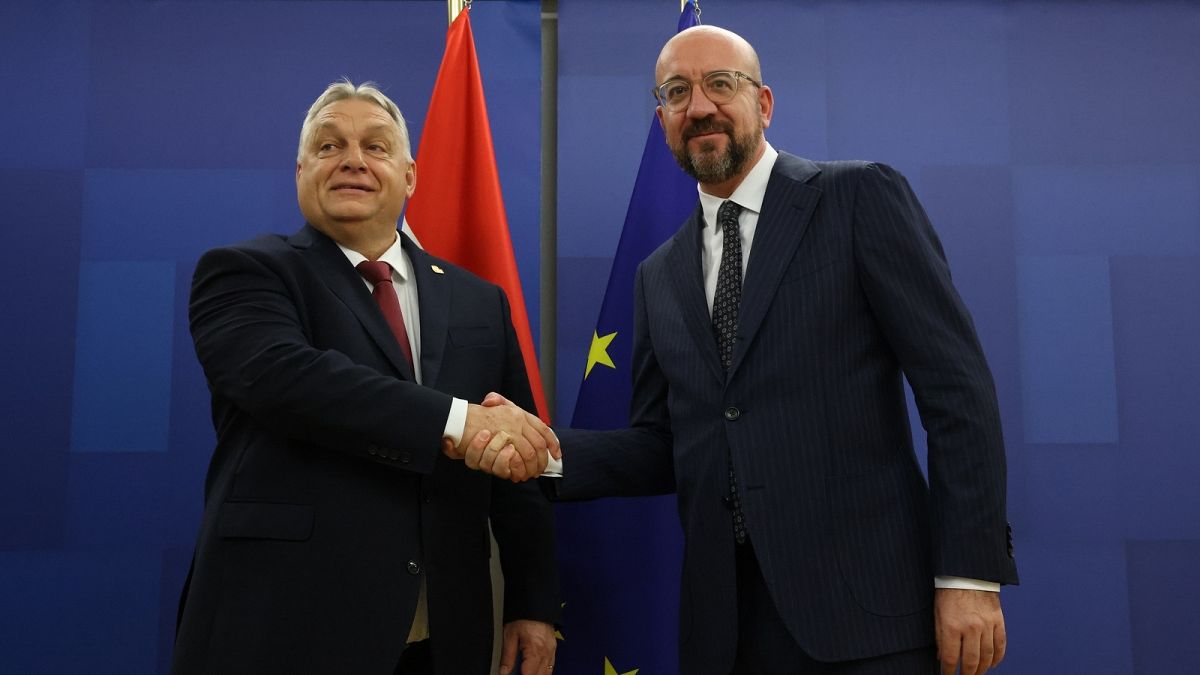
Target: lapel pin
436 269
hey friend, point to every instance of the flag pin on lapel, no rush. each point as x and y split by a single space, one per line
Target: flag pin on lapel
436 269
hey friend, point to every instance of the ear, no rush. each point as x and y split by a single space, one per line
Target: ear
410 179
766 104
299 168
661 115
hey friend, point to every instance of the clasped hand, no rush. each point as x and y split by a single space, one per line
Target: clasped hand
503 440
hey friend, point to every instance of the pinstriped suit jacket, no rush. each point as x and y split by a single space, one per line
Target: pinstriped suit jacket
846 292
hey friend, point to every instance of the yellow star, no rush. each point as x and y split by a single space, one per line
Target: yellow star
598 353
558 633
609 670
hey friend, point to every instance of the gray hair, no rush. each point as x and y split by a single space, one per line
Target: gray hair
367 91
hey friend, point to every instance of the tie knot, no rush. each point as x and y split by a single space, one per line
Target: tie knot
375 271
727 215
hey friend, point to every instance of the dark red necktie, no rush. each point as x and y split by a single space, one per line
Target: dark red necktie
379 274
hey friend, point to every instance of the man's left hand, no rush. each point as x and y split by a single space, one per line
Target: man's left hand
537 644
970 630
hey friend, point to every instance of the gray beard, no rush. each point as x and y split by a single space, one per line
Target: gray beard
717 168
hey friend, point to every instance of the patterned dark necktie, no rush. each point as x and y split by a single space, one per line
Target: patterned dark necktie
726 303
379 274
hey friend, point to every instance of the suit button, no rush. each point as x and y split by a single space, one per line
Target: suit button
732 413
414 567
405 457
372 449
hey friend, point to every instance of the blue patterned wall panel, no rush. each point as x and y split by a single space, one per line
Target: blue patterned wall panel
1107 210
1111 83
172 214
44 74
39 279
123 357
1072 617
1163 597
915 83
1076 493
88 611
1067 370
1157 330
226 96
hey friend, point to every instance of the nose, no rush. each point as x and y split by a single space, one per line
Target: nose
353 158
700 106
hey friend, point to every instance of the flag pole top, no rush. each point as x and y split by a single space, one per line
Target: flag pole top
457 6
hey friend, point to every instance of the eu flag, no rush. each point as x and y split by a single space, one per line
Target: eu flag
621 558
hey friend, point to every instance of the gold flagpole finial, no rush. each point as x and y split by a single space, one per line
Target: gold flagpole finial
456 7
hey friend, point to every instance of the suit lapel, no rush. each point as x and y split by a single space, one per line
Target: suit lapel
335 271
787 210
433 298
683 266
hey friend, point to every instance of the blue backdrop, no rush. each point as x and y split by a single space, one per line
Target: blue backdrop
1056 146
140 134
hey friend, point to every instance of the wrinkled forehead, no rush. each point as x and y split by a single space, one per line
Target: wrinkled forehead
355 114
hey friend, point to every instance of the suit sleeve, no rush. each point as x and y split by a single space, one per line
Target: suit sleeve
904 274
251 342
522 517
632 462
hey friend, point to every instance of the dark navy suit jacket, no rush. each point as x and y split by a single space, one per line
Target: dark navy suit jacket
846 292
328 494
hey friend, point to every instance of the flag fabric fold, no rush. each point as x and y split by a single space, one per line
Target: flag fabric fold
457 211
621 558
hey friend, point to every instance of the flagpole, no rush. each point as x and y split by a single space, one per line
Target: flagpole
457 6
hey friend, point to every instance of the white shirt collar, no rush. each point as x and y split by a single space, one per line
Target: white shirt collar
749 193
393 256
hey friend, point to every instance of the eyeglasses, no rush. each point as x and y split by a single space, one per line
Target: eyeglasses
719 86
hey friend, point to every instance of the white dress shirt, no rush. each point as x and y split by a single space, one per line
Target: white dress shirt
406 290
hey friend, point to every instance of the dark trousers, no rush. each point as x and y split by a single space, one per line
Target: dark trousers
416 659
765 647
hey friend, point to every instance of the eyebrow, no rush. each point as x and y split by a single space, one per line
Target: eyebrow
704 74
324 126
381 126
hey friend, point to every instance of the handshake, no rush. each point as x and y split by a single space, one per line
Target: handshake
503 440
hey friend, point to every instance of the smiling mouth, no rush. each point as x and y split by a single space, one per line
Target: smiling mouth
354 188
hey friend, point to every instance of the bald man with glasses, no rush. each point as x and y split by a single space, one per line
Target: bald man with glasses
773 334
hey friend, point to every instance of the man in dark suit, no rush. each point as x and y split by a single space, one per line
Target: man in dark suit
337 536
772 335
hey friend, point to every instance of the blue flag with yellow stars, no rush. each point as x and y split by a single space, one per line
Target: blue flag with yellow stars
620 558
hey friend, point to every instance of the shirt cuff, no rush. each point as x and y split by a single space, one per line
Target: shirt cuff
456 421
554 468
966 584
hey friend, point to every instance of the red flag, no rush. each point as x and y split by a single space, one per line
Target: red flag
457 211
